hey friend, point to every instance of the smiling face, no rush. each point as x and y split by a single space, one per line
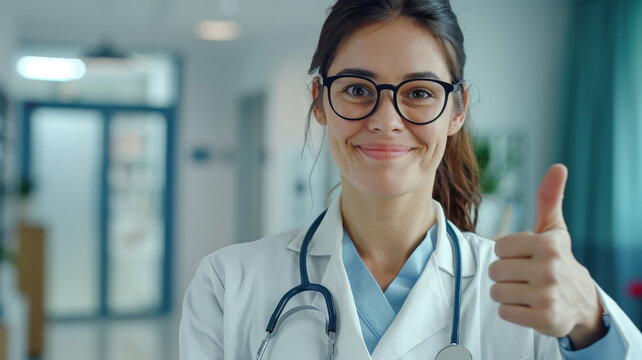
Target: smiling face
383 155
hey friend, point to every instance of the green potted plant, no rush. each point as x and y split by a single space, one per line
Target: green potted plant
489 179
498 158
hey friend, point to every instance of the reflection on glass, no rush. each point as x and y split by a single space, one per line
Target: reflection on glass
66 147
136 178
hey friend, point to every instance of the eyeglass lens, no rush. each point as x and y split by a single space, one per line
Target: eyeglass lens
419 101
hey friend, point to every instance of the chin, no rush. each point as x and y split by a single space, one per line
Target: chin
386 189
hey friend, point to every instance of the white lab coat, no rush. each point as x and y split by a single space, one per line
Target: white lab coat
235 290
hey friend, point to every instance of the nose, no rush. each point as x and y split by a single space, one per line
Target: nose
385 118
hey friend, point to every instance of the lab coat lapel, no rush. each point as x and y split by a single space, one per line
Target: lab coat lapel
349 340
326 241
428 309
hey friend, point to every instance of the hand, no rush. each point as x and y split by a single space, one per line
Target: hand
540 284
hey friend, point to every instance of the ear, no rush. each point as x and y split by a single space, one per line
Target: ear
317 108
458 119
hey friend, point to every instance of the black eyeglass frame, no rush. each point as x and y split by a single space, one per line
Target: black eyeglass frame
448 87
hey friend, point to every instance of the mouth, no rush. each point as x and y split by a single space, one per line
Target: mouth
384 151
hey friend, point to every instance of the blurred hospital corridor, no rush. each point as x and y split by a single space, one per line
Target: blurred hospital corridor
137 137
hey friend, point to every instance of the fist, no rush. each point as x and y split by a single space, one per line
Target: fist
539 283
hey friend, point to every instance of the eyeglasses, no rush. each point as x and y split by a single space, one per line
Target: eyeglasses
419 101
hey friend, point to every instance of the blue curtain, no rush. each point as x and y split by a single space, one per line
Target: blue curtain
602 144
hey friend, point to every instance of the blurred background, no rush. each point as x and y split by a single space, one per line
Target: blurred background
138 137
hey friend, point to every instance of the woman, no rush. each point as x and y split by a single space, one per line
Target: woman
391 96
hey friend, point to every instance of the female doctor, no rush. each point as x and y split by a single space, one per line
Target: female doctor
393 268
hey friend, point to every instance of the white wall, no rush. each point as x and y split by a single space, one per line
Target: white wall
287 83
515 60
206 192
7 40
214 82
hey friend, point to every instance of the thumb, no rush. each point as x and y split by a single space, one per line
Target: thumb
549 200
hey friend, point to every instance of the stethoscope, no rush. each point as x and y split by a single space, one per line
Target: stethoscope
454 351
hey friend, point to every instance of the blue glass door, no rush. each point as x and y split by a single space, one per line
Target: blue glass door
102 189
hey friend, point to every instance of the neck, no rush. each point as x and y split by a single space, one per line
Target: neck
386 230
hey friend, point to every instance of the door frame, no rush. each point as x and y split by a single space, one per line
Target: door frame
169 114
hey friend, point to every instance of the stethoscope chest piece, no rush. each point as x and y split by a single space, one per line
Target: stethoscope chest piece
454 352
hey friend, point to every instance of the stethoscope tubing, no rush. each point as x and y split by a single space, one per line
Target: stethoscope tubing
331 328
306 285
454 335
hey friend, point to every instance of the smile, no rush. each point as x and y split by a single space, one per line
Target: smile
384 151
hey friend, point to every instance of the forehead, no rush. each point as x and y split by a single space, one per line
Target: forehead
391 50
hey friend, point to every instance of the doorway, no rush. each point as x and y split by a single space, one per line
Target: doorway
103 188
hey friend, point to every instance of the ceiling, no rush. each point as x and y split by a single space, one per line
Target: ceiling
159 22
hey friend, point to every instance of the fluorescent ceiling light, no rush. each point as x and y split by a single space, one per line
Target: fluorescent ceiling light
50 69
218 30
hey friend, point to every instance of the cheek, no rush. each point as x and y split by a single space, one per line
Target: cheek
434 139
433 135
340 131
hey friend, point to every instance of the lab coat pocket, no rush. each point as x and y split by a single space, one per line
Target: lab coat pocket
529 356
299 335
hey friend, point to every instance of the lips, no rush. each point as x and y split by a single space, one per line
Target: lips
384 151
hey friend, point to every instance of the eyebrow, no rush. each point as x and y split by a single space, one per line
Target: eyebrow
371 75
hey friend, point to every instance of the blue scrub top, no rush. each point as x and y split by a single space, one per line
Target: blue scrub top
377 309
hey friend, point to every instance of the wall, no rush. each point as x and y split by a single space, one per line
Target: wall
7 40
206 192
515 60
214 82
9 171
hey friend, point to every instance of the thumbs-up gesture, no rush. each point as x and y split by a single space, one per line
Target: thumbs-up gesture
539 283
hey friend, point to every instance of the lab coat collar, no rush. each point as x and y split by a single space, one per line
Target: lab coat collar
328 237
444 248
327 241
349 341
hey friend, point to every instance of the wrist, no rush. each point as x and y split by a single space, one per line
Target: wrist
587 332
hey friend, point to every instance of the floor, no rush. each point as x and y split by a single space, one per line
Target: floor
140 339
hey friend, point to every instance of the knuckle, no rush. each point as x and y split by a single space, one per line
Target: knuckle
554 246
549 272
545 274
548 246
547 301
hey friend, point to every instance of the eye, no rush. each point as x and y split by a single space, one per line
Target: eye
420 94
358 91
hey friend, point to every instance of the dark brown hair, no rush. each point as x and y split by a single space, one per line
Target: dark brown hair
457 179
